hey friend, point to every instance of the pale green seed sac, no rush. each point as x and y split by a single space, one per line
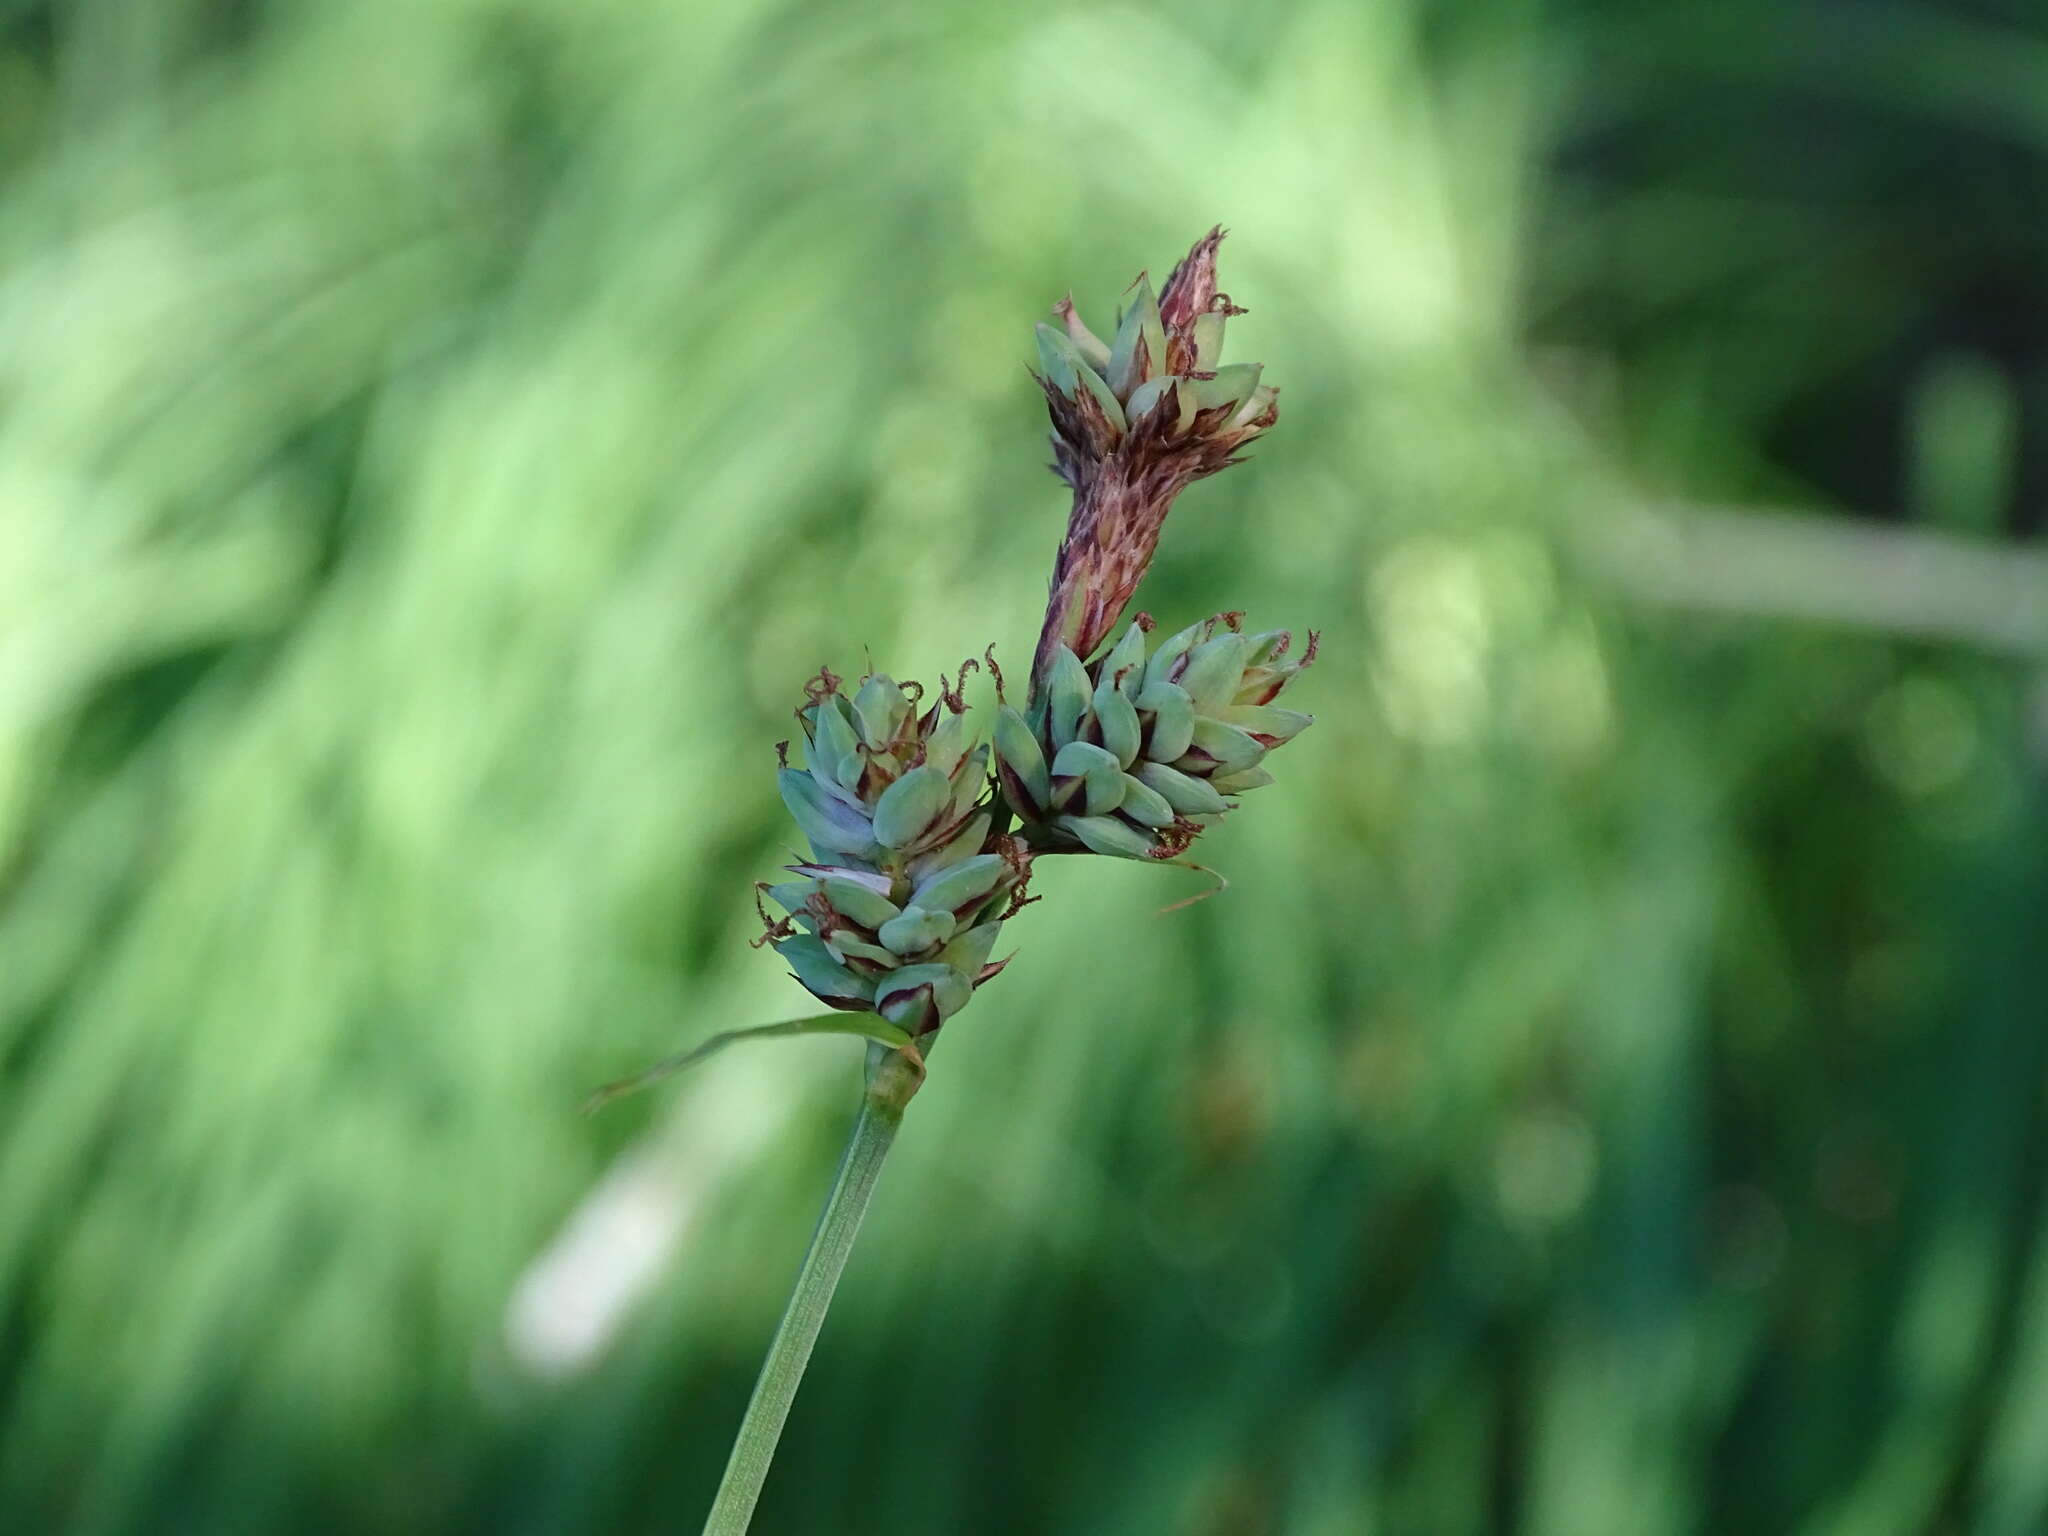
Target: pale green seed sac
1137 754
897 909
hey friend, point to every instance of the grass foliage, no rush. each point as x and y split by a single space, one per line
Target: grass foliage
438 436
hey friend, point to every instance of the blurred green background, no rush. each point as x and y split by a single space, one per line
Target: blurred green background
437 437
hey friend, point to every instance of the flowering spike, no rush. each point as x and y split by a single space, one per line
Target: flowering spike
904 859
913 870
1158 748
1129 434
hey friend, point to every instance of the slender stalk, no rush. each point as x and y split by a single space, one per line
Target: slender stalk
893 1076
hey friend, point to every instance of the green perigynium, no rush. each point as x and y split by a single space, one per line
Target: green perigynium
921 836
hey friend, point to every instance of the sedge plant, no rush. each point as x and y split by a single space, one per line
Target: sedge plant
1125 743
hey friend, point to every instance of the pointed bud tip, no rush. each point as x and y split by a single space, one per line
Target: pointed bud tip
1191 286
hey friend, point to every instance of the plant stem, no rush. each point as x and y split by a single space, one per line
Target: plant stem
893 1076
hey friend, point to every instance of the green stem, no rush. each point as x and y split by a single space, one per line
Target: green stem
893 1076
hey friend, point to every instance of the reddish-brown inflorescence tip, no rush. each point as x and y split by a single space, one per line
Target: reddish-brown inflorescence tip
1133 426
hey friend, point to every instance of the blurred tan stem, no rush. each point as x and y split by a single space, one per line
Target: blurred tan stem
893 1076
1851 573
